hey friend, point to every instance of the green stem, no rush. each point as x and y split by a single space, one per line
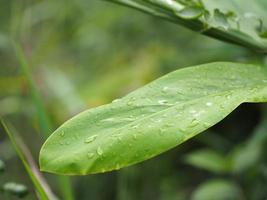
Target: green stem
165 11
43 118
41 191
44 122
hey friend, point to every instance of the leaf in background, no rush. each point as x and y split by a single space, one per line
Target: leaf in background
2 166
209 160
249 154
218 189
16 189
240 22
152 119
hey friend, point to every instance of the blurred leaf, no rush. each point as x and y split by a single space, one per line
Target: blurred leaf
152 119
209 160
11 85
2 166
218 189
61 87
235 21
16 189
250 153
10 105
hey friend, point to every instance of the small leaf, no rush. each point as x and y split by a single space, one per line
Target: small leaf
218 189
152 119
209 160
16 189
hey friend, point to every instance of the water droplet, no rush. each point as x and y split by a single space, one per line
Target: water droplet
194 123
90 139
162 102
191 12
220 19
134 126
117 166
103 170
165 89
209 104
161 131
228 96
116 100
62 133
170 2
135 136
164 115
90 155
131 101
111 119
156 120
168 125
99 151
192 111
129 119
206 125
222 108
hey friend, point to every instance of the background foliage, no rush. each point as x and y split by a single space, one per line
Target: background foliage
81 54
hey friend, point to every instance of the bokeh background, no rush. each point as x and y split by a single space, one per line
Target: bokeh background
79 54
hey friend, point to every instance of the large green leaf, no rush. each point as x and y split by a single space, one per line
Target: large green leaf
242 22
152 119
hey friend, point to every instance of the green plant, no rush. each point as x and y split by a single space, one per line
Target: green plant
173 108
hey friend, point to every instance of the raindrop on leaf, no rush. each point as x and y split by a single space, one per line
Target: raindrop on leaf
90 139
191 12
90 155
99 151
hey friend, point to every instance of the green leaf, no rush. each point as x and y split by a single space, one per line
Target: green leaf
241 22
152 119
218 189
209 160
16 189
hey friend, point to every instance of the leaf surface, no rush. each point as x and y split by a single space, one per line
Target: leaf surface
152 119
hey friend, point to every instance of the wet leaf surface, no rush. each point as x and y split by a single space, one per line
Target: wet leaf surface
152 119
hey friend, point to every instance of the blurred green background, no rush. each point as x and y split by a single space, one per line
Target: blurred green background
84 53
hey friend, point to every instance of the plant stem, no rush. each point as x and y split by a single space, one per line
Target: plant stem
43 119
40 189
163 10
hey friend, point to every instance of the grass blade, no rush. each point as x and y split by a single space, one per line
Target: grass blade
44 121
39 183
